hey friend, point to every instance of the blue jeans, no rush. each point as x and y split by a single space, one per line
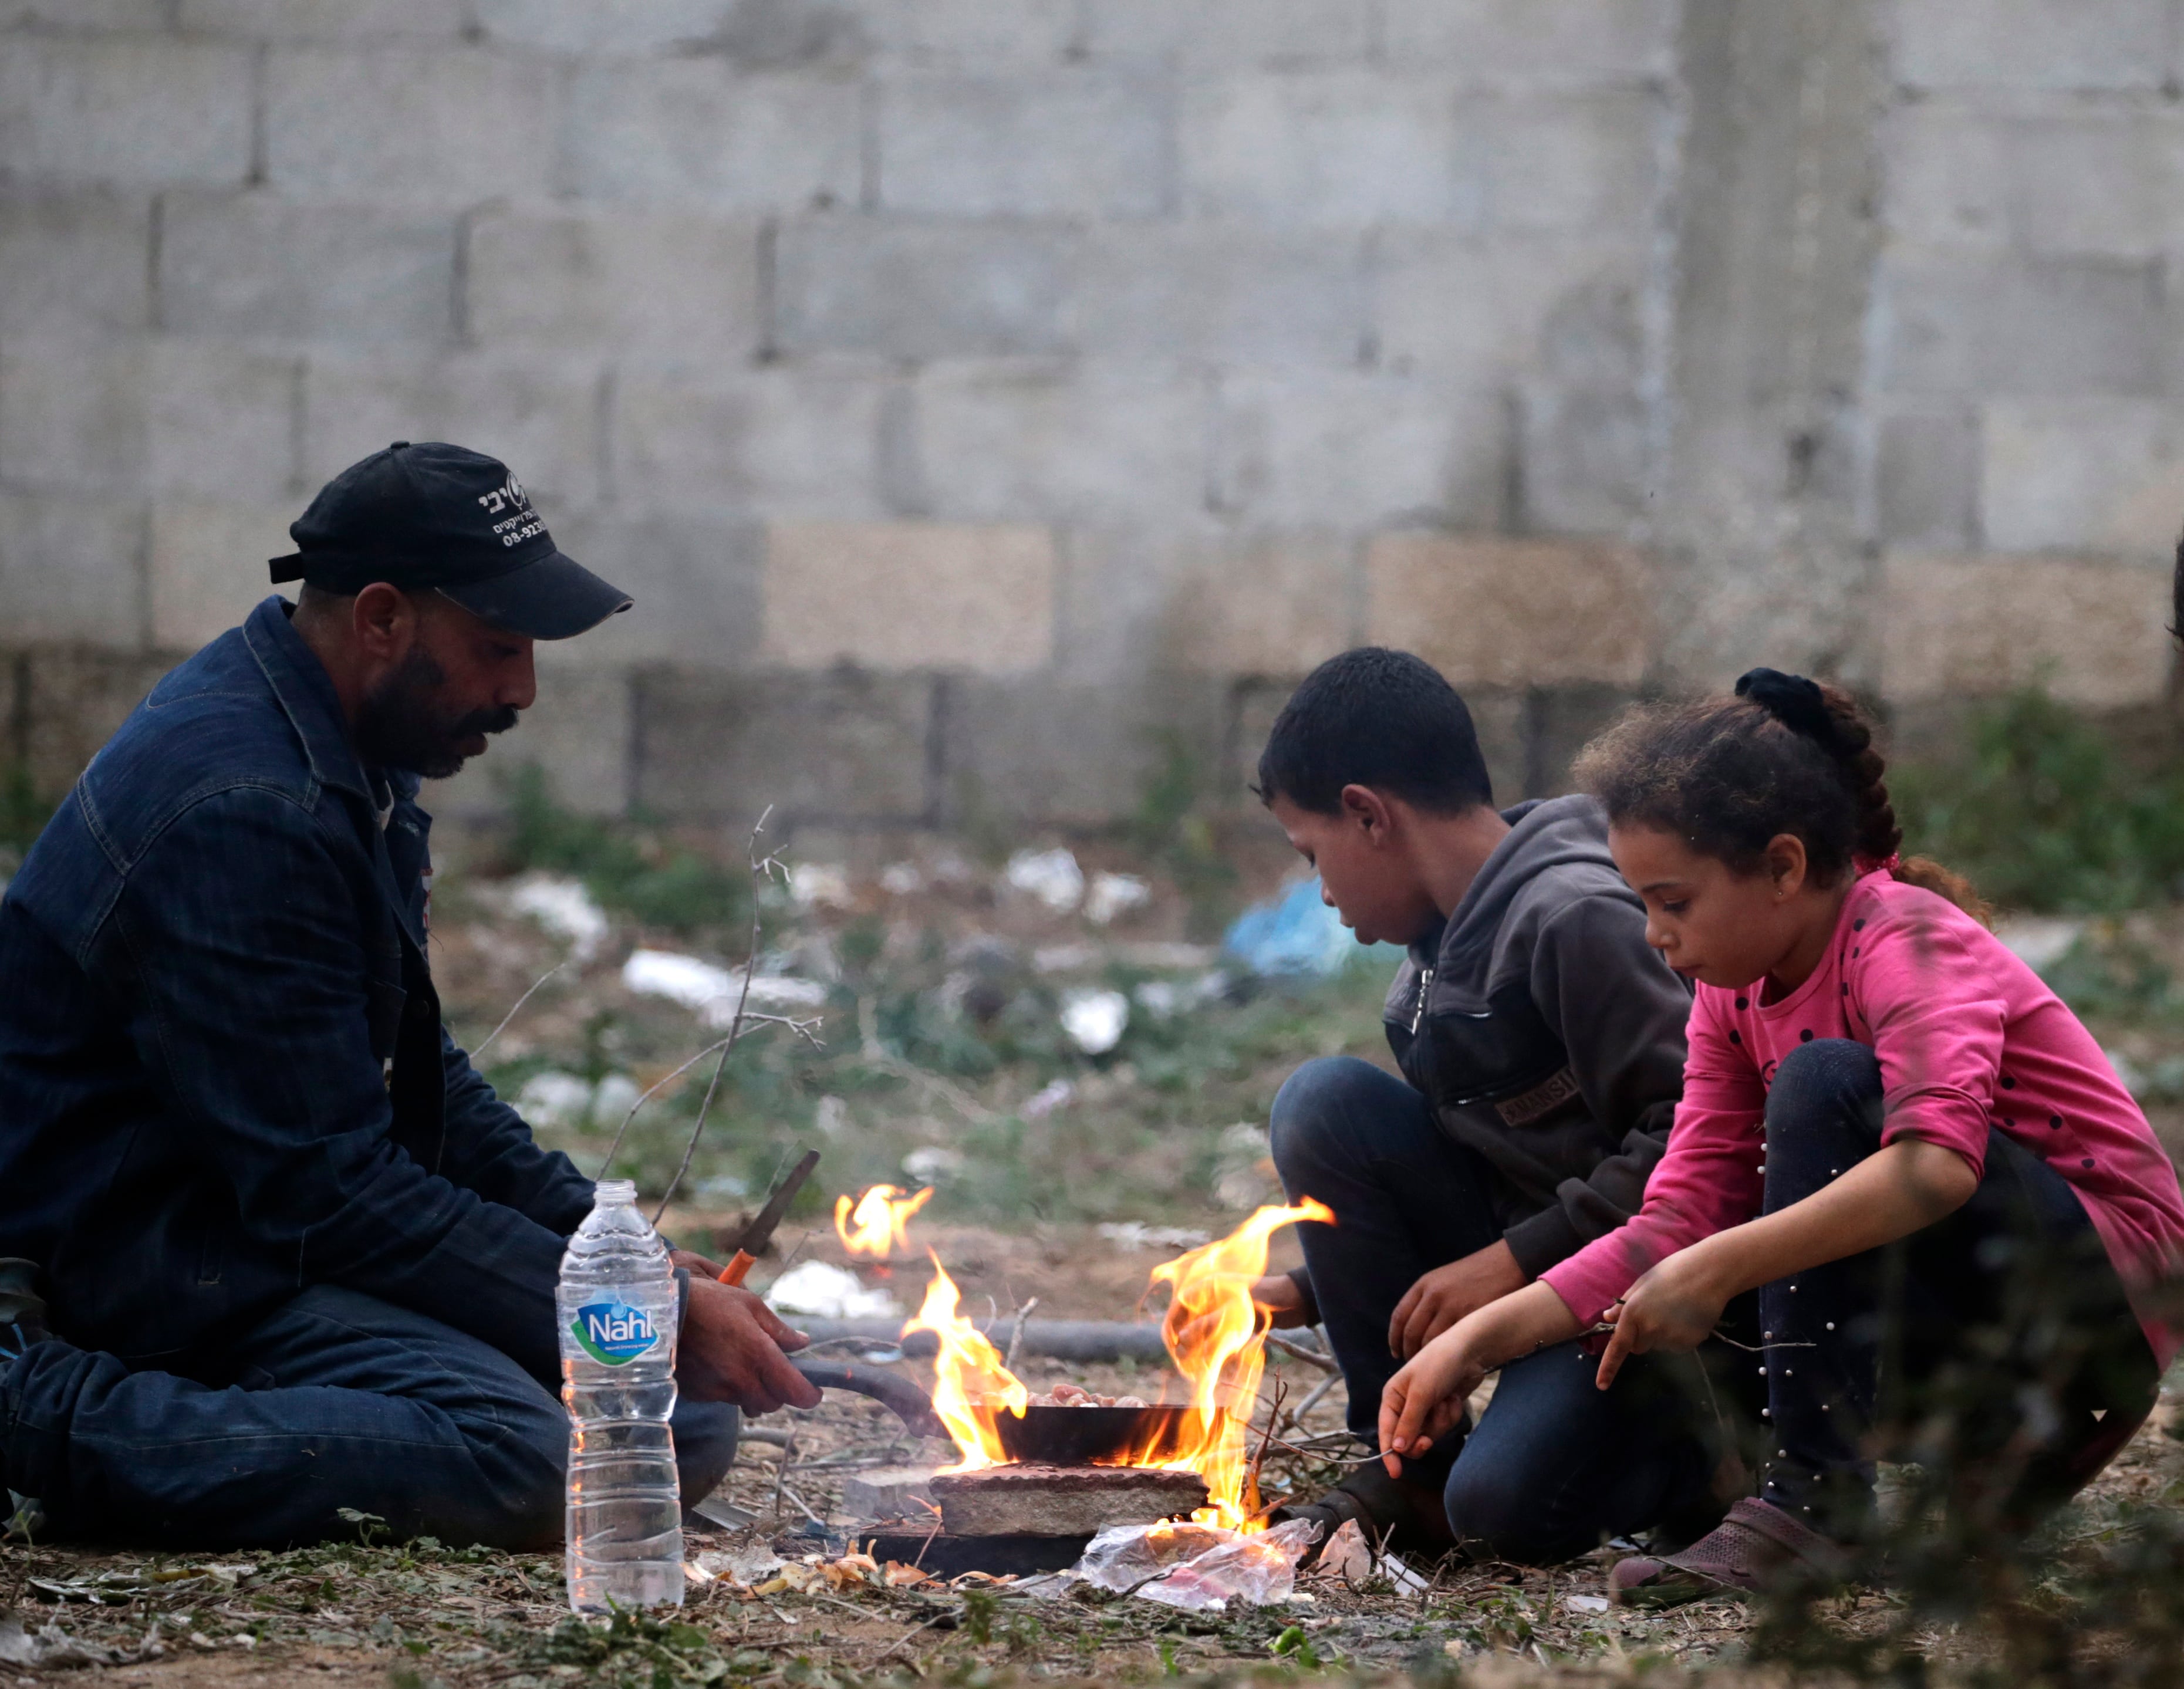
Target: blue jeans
1999 1338
1555 1466
335 1400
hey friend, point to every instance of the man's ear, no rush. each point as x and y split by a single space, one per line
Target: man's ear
384 622
1365 808
1787 864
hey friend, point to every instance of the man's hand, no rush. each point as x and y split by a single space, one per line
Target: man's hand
731 1351
1447 1294
1675 1306
1279 1293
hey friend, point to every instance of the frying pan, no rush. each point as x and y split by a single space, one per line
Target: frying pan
1049 1437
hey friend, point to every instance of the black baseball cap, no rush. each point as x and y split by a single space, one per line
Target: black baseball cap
439 516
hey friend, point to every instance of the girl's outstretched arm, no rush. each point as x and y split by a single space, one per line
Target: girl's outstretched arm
1902 1188
1423 1401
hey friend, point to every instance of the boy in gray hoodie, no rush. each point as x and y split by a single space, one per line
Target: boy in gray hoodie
1542 1044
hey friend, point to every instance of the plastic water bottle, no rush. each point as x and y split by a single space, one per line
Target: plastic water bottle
617 1309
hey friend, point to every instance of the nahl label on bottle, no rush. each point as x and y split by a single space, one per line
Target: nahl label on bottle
613 1333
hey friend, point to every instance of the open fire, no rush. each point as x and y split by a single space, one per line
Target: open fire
878 1224
1215 1333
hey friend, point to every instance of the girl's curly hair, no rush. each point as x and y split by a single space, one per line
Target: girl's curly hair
1786 755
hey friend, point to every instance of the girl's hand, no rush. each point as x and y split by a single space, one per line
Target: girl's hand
1674 1307
1426 1399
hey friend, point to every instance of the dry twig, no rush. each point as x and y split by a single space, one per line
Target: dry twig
518 1009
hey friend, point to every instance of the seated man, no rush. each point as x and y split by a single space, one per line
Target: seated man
280 1251
1541 1043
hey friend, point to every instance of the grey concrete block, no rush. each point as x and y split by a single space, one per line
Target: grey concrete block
1262 603
2057 44
74 264
540 415
1065 144
1583 165
1947 181
922 290
846 746
324 20
72 417
1586 462
2103 476
1335 448
787 34
1038 751
148 109
606 26
1220 294
580 733
257 264
640 285
1572 41
1927 479
1318 149
695 578
207 565
2044 328
1489 310
1062 442
444 125
2104 186
72 570
791 440
695 132
78 695
77 15
972 33
1226 34
221 421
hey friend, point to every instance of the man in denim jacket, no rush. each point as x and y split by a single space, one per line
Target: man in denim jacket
294 1255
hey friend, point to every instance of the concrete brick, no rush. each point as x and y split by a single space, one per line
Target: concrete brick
208 567
539 416
220 421
1586 461
1947 181
2061 44
1504 612
442 125
78 696
1572 40
147 109
696 579
846 745
1095 441
789 440
71 568
787 34
694 132
2086 475
255 264
1115 603
1221 294
1577 167
1927 478
1314 447
72 417
1066 144
1224 34
1324 148
324 20
1038 751
581 734
922 290
1264 604
2100 187
74 264
2046 328
648 285
1490 309
614 26
972 32
85 14
909 596
2093 634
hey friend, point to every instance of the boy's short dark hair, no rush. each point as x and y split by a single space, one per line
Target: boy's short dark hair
1378 718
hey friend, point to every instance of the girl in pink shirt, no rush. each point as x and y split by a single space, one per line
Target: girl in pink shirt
1952 1210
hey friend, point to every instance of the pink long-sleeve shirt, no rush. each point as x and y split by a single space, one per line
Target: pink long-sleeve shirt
1968 1038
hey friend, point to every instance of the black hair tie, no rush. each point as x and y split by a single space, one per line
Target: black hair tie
1791 700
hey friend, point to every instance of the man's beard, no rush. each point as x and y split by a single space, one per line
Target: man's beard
400 724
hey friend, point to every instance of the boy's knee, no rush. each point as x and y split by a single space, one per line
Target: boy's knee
1306 1119
1497 1515
1830 1074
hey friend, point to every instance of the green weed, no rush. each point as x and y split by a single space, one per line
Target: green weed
629 867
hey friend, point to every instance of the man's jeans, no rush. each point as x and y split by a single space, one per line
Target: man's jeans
1555 1466
338 1400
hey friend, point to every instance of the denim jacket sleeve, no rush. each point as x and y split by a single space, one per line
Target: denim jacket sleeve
244 970
490 1150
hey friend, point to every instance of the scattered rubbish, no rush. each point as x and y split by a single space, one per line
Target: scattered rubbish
563 1100
1586 1603
1200 1569
1053 1094
832 1292
1114 895
1165 999
563 908
1348 1556
1070 958
714 992
933 1163
816 884
1297 932
2040 941
779 992
1094 1019
52 1646
902 879
716 1510
1052 877
1244 1176
722 1187
831 1118
750 1564
1136 1234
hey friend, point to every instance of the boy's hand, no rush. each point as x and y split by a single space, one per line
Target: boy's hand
1426 1399
1674 1307
731 1351
1447 1294
1279 1293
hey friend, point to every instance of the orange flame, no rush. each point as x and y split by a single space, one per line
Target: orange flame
970 1384
879 1225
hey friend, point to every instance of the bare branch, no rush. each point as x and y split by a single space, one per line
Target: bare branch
518 1009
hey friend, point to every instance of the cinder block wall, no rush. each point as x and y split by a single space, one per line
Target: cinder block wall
978 394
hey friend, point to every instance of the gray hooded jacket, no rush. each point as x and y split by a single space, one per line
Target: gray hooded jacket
1545 1034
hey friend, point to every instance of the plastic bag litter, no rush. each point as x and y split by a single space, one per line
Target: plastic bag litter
1198 1568
1295 933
